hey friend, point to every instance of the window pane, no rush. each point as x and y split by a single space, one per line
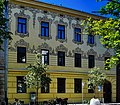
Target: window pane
61 58
91 61
77 34
90 39
45 57
21 55
42 32
61 85
21 86
24 29
45 89
22 25
22 20
47 32
61 32
78 85
19 28
77 60
45 29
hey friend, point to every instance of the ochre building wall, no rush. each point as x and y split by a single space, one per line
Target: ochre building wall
35 12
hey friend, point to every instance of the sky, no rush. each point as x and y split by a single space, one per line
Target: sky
83 5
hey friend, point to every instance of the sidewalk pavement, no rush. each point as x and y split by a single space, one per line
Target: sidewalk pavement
101 104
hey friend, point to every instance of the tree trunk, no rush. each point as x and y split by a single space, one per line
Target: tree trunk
37 94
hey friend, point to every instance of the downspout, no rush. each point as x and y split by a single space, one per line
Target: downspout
6 55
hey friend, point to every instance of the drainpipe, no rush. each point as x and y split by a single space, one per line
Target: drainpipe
6 55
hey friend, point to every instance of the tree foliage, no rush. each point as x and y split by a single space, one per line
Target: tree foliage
37 75
108 29
96 78
4 33
112 8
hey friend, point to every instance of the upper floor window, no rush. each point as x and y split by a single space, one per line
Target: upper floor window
22 25
61 31
91 61
45 57
21 54
45 29
45 89
90 39
61 58
77 34
77 60
77 85
21 86
61 85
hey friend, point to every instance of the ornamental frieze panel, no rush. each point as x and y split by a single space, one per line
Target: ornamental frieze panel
100 58
70 54
13 49
21 43
91 45
34 12
70 20
92 52
106 54
44 46
32 50
77 50
61 47
45 18
53 52
61 21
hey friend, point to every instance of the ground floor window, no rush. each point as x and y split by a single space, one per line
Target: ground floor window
21 86
61 85
77 85
45 89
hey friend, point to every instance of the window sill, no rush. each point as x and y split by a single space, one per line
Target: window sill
78 43
62 40
91 45
22 34
45 37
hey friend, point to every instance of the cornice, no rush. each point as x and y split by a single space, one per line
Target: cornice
55 8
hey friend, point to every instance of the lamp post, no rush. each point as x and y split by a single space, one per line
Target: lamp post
82 92
6 55
100 89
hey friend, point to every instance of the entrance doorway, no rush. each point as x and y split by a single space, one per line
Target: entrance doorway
107 92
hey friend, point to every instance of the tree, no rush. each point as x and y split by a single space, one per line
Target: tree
109 30
96 78
37 76
4 33
112 8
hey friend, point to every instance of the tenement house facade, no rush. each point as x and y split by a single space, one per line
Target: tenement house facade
56 32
